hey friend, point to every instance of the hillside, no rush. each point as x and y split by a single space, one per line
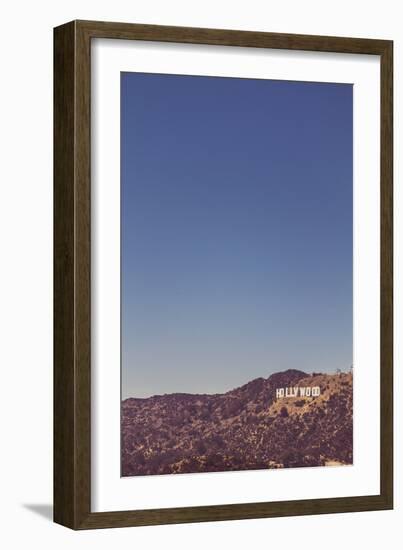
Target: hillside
245 428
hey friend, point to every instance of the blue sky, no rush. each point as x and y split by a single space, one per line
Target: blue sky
236 230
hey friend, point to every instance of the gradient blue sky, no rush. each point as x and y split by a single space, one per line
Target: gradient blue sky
236 230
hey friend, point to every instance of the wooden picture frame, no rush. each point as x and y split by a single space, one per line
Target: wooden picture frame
72 270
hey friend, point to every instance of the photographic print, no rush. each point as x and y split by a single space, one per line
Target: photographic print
211 210
236 274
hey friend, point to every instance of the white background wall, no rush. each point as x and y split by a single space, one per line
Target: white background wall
26 268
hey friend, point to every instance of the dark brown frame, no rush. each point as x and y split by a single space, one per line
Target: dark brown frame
72 291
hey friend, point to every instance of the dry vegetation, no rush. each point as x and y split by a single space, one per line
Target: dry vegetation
246 428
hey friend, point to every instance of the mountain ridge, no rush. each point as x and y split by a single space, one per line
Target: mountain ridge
217 393
247 427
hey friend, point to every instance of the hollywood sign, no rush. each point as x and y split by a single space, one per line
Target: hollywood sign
298 391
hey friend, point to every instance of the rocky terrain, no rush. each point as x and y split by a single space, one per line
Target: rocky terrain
243 429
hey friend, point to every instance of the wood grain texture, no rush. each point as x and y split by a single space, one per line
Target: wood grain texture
72 268
386 282
220 37
64 383
72 296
